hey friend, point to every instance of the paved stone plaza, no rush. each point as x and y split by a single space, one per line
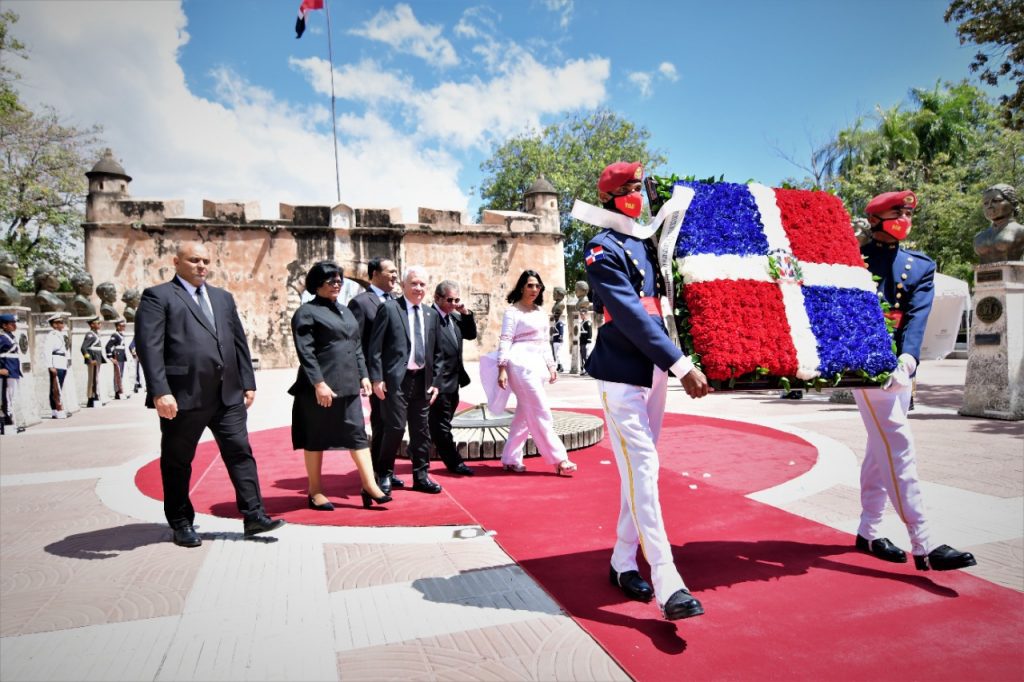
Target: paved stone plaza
92 588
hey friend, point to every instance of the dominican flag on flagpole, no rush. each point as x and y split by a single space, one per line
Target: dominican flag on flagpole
774 279
306 6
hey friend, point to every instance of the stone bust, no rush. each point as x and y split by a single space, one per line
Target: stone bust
582 300
558 307
131 299
108 296
81 305
1003 240
9 294
46 283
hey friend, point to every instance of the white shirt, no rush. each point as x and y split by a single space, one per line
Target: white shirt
411 314
192 292
55 350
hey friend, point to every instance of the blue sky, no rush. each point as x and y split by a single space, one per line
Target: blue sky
218 100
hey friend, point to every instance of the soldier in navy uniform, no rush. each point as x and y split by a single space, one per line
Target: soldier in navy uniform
117 353
92 353
906 283
10 371
631 361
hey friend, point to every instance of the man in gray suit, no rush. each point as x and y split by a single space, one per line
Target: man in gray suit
406 365
199 374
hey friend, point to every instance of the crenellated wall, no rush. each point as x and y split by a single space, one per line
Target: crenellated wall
263 262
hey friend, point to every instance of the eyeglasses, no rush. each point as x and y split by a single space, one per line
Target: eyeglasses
454 300
336 282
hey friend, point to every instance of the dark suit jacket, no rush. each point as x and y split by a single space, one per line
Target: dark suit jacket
364 306
459 328
327 341
390 347
181 354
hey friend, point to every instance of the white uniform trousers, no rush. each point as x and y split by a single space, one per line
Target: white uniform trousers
889 470
533 416
634 415
11 397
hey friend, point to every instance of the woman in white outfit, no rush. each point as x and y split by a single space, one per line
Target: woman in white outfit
524 363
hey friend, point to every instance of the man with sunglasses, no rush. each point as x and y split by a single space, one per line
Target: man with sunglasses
906 283
457 325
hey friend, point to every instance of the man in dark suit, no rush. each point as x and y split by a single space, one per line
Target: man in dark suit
457 324
199 374
383 278
406 367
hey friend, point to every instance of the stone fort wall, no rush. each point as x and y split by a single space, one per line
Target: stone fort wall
263 263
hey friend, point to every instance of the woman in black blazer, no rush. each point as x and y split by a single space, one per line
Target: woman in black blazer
327 414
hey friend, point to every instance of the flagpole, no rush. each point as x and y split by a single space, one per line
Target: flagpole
334 118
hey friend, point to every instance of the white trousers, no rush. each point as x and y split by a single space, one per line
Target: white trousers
533 416
889 470
11 397
634 416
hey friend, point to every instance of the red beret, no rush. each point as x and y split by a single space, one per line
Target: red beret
618 174
890 200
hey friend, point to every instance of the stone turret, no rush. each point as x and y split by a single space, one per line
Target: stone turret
542 200
109 202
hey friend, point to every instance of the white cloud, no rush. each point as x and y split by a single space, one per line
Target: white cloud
365 81
668 70
643 82
474 112
563 8
243 144
477 22
404 33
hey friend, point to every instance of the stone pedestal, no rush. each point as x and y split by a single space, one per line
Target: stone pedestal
995 363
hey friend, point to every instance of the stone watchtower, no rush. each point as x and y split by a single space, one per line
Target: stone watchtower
108 183
542 200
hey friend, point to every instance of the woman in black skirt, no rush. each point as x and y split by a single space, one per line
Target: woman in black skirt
327 414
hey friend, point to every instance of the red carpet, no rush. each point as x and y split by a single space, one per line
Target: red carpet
283 483
785 597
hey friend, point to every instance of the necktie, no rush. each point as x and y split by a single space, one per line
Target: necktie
387 296
419 354
204 305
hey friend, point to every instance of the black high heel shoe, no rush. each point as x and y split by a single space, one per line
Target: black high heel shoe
326 506
369 499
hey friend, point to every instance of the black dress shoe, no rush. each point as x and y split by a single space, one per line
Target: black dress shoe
369 499
680 605
261 524
186 536
396 482
326 506
882 549
632 585
384 483
461 470
425 485
944 558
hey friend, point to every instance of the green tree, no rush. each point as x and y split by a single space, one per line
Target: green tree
997 26
948 147
42 174
571 154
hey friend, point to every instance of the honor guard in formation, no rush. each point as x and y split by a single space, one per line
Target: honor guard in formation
906 283
92 352
117 353
55 350
10 372
631 361
136 370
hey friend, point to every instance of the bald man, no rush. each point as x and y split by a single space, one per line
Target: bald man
199 375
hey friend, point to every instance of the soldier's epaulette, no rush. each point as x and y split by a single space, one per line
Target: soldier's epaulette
918 254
